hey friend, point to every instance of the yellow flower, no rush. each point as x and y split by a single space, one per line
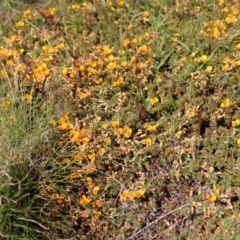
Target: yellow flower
7 104
21 68
85 95
111 66
48 59
211 197
118 132
64 71
66 161
197 9
124 63
55 196
236 123
230 19
84 200
78 158
183 59
192 55
26 12
99 80
217 190
28 97
92 157
238 46
120 3
143 49
107 141
238 142
101 151
174 39
61 45
127 131
134 41
4 74
98 203
226 67
95 190
209 69
148 141
67 199
124 195
139 193
151 128
179 134
104 126
115 123
76 174
225 9
90 182
97 214
126 42
106 50
4 53
204 58
81 68
154 100
165 9
91 168
76 136
220 2
226 104
131 194
145 14
192 113
147 34
86 140
235 11
197 59
237 63
118 82
72 73
73 176
50 12
65 126
20 24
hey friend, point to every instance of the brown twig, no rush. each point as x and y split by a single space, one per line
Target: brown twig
33 221
157 220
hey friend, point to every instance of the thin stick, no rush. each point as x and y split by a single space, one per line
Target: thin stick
156 220
33 221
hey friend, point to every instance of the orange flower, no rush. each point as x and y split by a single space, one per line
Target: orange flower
98 203
124 195
84 200
95 190
139 193
211 197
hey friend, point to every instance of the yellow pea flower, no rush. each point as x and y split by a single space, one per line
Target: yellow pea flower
211 197
148 141
95 190
84 200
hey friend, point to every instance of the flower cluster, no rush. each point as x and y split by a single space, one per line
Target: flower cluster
132 194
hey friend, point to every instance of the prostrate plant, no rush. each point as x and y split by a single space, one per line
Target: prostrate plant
121 120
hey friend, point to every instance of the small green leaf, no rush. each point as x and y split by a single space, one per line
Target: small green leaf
147 103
